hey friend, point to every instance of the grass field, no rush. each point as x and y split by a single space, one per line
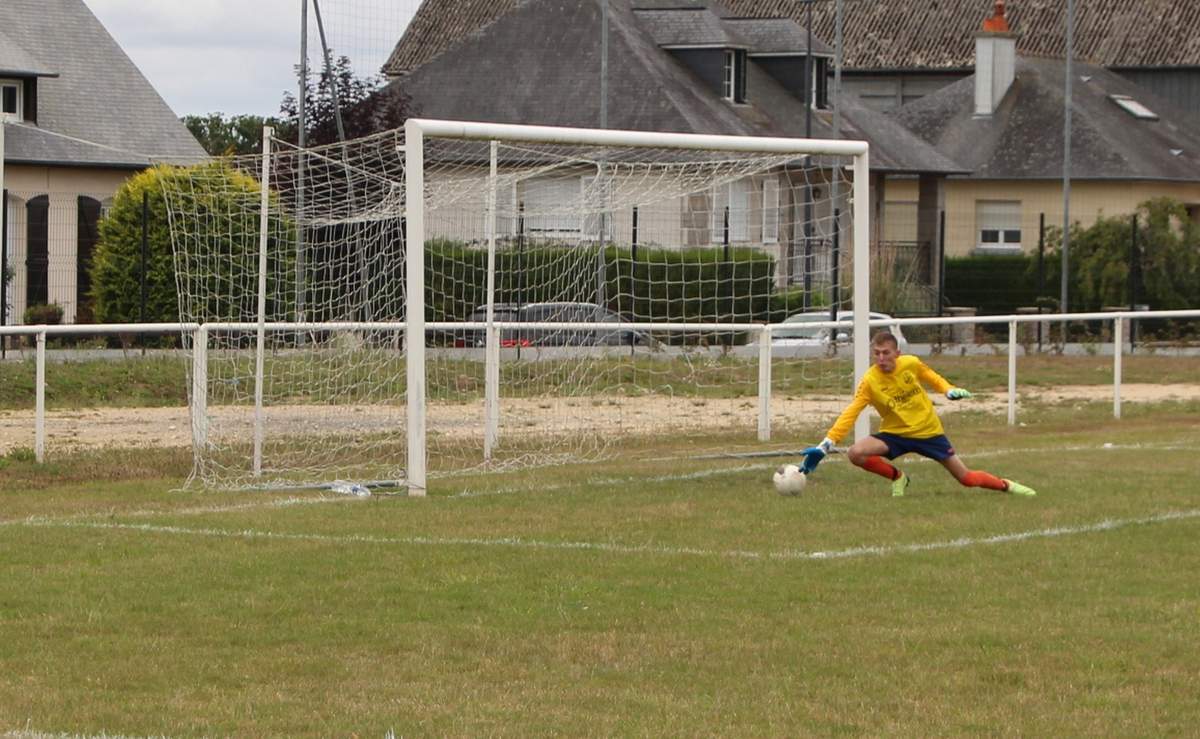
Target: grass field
661 595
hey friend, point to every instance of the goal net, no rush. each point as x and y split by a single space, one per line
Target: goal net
582 294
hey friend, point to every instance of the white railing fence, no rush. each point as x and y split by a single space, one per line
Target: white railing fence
200 337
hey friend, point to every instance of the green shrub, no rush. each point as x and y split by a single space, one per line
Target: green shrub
43 315
226 201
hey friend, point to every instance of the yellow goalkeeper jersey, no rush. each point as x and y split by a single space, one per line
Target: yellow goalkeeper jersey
898 397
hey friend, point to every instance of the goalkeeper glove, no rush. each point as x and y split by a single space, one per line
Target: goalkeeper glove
957 393
814 454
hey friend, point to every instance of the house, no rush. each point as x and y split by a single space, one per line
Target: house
894 53
672 65
1005 123
78 119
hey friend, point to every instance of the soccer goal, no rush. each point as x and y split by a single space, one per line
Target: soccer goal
460 296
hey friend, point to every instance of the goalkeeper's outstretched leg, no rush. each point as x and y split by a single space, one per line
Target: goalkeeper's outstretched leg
979 479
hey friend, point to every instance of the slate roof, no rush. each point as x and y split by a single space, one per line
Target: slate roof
505 74
888 34
99 110
776 36
1024 138
15 61
689 27
940 34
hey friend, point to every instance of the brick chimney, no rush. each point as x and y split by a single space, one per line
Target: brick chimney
995 62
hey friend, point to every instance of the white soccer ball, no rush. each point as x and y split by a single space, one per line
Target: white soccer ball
789 480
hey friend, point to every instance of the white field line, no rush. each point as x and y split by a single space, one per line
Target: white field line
835 459
194 511
31 734
634 549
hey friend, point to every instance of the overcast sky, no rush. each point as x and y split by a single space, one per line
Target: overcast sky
238 56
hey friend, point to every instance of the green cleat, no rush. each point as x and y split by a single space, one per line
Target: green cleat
899 485
1017 488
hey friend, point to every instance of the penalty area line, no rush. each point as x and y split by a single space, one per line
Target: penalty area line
617 548
754 464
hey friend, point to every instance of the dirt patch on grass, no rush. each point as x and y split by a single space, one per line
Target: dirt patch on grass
171 427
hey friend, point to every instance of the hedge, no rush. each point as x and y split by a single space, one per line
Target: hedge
992 284
655 284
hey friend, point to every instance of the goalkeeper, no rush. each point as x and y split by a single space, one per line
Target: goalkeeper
894 387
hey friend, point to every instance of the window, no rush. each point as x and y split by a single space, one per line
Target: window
552 206
37 244
734 198
821 83
1134 108
89 212
734 81
998 224
10 99
770 211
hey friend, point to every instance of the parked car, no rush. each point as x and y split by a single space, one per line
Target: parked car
558 312
795 332
465 337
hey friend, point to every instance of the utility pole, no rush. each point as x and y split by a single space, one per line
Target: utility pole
809 91
1066 238
603 63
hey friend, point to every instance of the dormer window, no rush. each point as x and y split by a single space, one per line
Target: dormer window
10 99
734 88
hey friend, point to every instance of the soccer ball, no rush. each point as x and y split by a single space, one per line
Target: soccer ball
789 480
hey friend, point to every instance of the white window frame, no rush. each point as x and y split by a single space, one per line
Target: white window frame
729 90
19 88
736 195
770 211
1002 217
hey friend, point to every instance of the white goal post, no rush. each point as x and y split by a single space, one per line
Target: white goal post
420 131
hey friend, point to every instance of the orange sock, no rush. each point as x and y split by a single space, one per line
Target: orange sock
880 467
977 479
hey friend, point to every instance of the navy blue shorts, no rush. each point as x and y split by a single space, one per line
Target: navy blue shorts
935 447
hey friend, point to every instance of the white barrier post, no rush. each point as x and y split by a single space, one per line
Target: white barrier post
764 384
39 423
491 389
1012 373
199 389
1118 350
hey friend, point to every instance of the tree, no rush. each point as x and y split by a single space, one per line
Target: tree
1167 266
236 134
367 106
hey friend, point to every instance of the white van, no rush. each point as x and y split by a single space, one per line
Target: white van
795 332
